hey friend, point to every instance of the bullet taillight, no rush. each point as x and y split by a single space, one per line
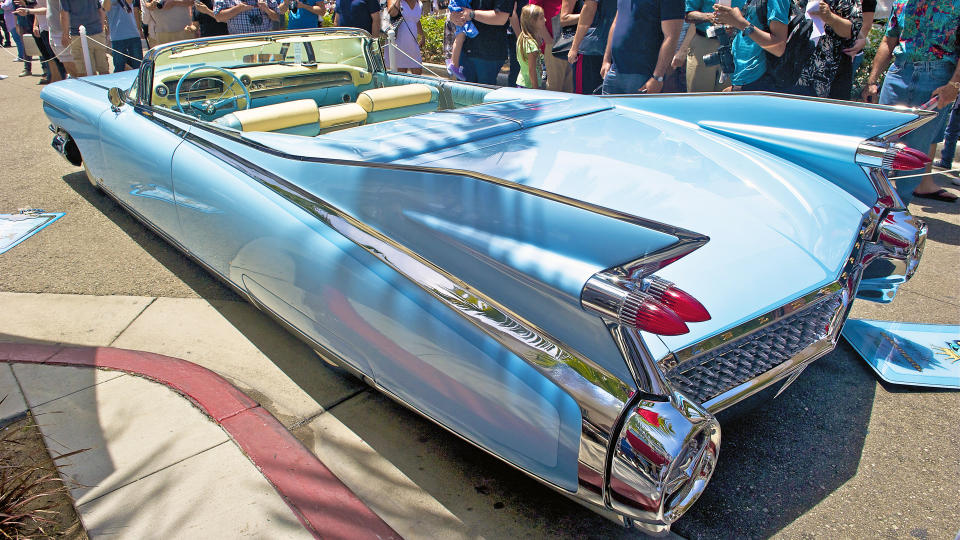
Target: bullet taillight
907 159
679 301
642 311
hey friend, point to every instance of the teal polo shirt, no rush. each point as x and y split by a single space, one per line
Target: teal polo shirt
749 58
703 6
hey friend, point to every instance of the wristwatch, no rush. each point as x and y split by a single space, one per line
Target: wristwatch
955 85
658 78
749 29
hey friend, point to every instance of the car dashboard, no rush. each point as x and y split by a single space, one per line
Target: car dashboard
262 81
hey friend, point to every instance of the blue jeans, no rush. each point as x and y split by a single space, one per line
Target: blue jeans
480 70
129 47
21 52
950 136
623 83
911 83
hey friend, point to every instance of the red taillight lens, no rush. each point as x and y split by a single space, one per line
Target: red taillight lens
685 306
909 159
679 301
657 318
917 154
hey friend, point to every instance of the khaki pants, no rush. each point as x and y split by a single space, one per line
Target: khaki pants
701 77
559 72
167 37
98 54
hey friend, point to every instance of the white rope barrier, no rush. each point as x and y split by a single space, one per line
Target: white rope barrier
111 49
924 174
56 56
391 47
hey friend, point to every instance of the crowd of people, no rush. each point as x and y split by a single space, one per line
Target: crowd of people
582 46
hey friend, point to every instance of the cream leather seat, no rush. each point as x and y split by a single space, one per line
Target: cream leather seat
398 101
300 117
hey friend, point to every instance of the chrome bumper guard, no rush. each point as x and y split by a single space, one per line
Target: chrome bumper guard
893 255
65 146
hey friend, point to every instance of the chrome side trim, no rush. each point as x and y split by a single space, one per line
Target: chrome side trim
600 395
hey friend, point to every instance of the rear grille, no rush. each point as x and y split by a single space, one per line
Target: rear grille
730 365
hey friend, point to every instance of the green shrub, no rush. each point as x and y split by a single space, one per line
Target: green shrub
432 24
869 51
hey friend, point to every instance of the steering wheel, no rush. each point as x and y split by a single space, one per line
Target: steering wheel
211 107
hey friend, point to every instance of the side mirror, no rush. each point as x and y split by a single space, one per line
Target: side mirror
115 95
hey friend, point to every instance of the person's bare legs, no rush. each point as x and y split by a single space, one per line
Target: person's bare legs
927 185
453 64
457 48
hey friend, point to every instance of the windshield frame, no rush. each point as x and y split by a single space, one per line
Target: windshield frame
142 87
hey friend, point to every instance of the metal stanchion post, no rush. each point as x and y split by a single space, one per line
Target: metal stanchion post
86 49
391 49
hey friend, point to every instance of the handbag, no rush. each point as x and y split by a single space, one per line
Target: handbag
564 39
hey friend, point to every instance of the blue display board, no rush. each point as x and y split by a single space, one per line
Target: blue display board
15 228
908 353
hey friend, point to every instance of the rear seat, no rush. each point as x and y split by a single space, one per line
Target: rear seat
303 117
299 117
393 102
342 116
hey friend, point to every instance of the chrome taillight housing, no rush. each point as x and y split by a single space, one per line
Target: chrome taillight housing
651 304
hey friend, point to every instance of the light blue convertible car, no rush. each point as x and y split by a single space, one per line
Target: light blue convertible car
574 284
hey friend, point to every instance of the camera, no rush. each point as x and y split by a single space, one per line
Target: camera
724 55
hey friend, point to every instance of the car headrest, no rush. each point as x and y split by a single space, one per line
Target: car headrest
392 97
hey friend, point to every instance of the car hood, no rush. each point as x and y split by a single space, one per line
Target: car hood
776 230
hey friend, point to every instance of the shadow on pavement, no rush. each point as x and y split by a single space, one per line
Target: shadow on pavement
192 274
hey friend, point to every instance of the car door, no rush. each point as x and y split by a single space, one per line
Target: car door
137 149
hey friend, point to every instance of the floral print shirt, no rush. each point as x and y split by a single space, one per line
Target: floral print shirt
822 66
927 29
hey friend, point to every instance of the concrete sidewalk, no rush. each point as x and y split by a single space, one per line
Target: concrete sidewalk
184 454
156 467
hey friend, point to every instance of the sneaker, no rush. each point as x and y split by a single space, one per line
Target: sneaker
27 71
43 80
455 71
940 164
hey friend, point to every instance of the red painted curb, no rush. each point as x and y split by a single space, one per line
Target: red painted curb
322 503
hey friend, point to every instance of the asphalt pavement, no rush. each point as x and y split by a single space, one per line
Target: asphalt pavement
837 455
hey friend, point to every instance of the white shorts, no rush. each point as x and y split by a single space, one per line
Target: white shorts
63 54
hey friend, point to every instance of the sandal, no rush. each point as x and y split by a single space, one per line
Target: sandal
939 195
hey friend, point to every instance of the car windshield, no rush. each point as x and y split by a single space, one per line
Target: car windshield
194 73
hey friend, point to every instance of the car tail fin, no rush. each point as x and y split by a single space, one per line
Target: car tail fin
633 296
